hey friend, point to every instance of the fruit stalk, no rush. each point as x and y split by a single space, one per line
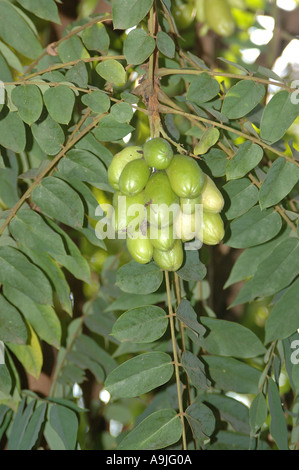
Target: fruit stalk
175 357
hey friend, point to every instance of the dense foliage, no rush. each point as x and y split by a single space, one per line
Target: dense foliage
80 319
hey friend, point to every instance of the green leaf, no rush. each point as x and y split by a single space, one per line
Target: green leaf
78 75
6 385
89 347
165 44
230 410
56 275
60 102
110 130
28 100
12 326
273 129
12 131
193 269
254 227
278 425
227 338
195 370
274 273
157 431
138 46
202 89
122 112
97 101
201 420
11 58
247 263
209 138
144 279
247 157
141 325
45 9
20 423
283 320
112 71
242 98
65 424
84 166
230 374
128 13
18 272
29 355
258 413
96 38
33 428
242 195
42 318
48 134
139 375
57 199
72 49
16 32
8 186
216 161
187 315
279 182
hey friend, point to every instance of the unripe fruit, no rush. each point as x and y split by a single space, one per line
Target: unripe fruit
211 198
140 248
183 14
219 17
129 212
212 229
185 226
158 198
134 177
158 153
200 11
161 238
188 205
185 176
119 162
172 259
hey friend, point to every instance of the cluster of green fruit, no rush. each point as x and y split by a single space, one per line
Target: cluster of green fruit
161 201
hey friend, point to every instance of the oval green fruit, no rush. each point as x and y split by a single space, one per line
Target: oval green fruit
129 212
188 205
183 13
211 198
185 226
158 153
119 161
161 238
160 200
134 177
140 248
219 17
172 259
212 229
185 176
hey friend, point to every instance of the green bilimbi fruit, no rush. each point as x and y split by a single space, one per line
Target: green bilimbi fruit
140 248
119 161
134 177
172 259
211 198
129 212
158 153
185 226
161 238
185 176
212 228
158 199
188 205
219 17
